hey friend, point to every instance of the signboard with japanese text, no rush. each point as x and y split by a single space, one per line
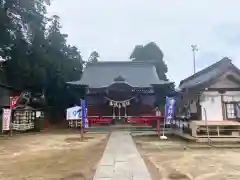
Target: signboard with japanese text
84 113
6 119
73 113
169 109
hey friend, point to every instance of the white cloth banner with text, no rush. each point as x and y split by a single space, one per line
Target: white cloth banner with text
74 113
6 119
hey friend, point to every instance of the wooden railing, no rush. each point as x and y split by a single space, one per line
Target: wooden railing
218 131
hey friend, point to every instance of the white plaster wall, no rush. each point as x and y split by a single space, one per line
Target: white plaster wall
211 102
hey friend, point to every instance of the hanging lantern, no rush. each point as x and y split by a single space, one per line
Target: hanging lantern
127 103
119 105
123 104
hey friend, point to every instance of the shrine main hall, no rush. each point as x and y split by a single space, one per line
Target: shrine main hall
122 90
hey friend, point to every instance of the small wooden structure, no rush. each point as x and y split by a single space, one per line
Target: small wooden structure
213 93
24 118
212 96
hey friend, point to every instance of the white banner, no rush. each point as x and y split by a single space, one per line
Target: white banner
6 119
73 113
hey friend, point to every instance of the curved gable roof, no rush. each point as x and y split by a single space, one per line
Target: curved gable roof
136 74
208 74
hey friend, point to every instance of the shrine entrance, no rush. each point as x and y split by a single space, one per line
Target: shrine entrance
119 110
121 92
121 103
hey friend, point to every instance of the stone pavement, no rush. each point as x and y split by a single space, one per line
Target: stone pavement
121 160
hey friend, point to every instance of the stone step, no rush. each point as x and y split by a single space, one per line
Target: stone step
121 128
131 129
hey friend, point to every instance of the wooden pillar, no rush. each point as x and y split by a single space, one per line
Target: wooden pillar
218 131
114 112
119 111
158 127
199 108
125 111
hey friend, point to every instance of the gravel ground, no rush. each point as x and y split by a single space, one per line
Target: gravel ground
170 160
51 156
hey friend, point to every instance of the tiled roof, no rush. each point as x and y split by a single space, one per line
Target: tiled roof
103 74
208 74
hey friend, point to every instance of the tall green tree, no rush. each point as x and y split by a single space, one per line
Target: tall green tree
66 64
153 54
37 57
25 49
94 57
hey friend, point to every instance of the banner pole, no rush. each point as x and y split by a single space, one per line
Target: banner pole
158 127
11 124
2 120
83 114
11 129
82 132
169 113
164 125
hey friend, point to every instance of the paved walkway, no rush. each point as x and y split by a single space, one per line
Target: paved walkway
121 160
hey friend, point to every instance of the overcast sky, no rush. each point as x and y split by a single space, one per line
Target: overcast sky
114 27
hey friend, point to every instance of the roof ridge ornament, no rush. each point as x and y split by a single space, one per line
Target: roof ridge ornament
119 78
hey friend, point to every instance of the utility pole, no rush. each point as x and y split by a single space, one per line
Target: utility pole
194 49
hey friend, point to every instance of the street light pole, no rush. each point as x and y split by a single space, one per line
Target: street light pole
194 49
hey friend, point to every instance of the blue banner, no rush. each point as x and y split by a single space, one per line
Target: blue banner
170 109
84 113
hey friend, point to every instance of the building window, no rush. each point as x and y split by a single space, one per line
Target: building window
232 110
237 110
